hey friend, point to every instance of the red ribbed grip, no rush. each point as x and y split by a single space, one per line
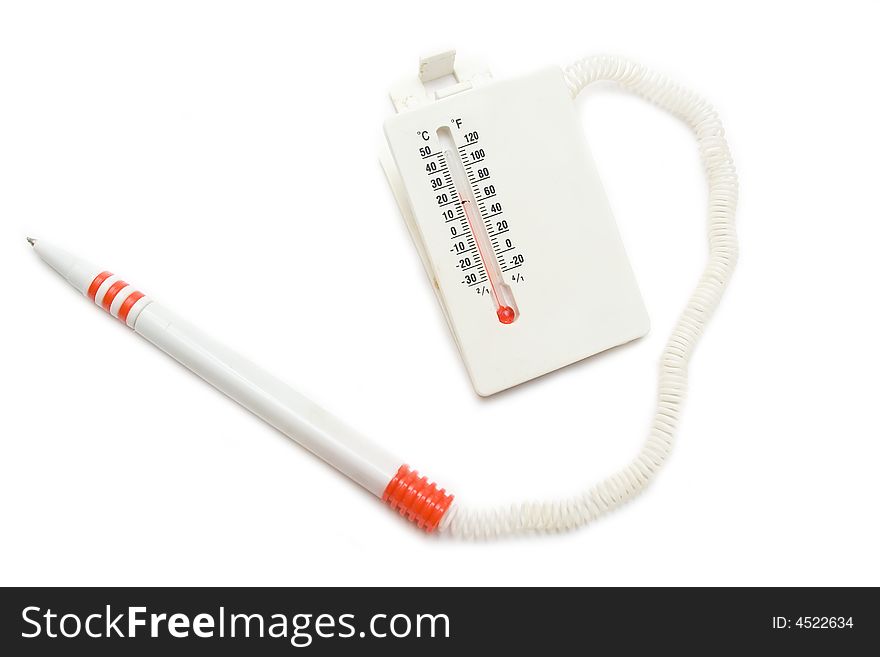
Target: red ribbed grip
418 499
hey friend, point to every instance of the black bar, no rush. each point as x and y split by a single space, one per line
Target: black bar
502 621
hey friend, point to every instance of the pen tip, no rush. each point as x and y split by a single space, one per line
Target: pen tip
31 241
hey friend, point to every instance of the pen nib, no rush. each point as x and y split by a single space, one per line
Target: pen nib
31 241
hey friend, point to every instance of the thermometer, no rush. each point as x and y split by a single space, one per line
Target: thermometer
478 234
504 204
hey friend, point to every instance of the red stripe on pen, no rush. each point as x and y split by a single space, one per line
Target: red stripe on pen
111 293
100 278
126 306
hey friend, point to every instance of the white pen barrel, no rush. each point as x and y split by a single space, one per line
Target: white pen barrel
270 398
387 477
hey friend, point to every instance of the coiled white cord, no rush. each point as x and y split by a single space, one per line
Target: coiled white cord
578 510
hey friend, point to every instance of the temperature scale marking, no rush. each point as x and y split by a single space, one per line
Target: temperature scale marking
463 173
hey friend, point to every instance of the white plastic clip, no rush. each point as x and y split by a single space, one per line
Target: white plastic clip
411 93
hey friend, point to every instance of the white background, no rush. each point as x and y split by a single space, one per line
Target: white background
223 157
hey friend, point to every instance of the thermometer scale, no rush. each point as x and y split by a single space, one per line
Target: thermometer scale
480 234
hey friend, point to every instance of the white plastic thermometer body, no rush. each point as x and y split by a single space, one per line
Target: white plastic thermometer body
359 458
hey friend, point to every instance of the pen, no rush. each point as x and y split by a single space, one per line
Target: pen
269 398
